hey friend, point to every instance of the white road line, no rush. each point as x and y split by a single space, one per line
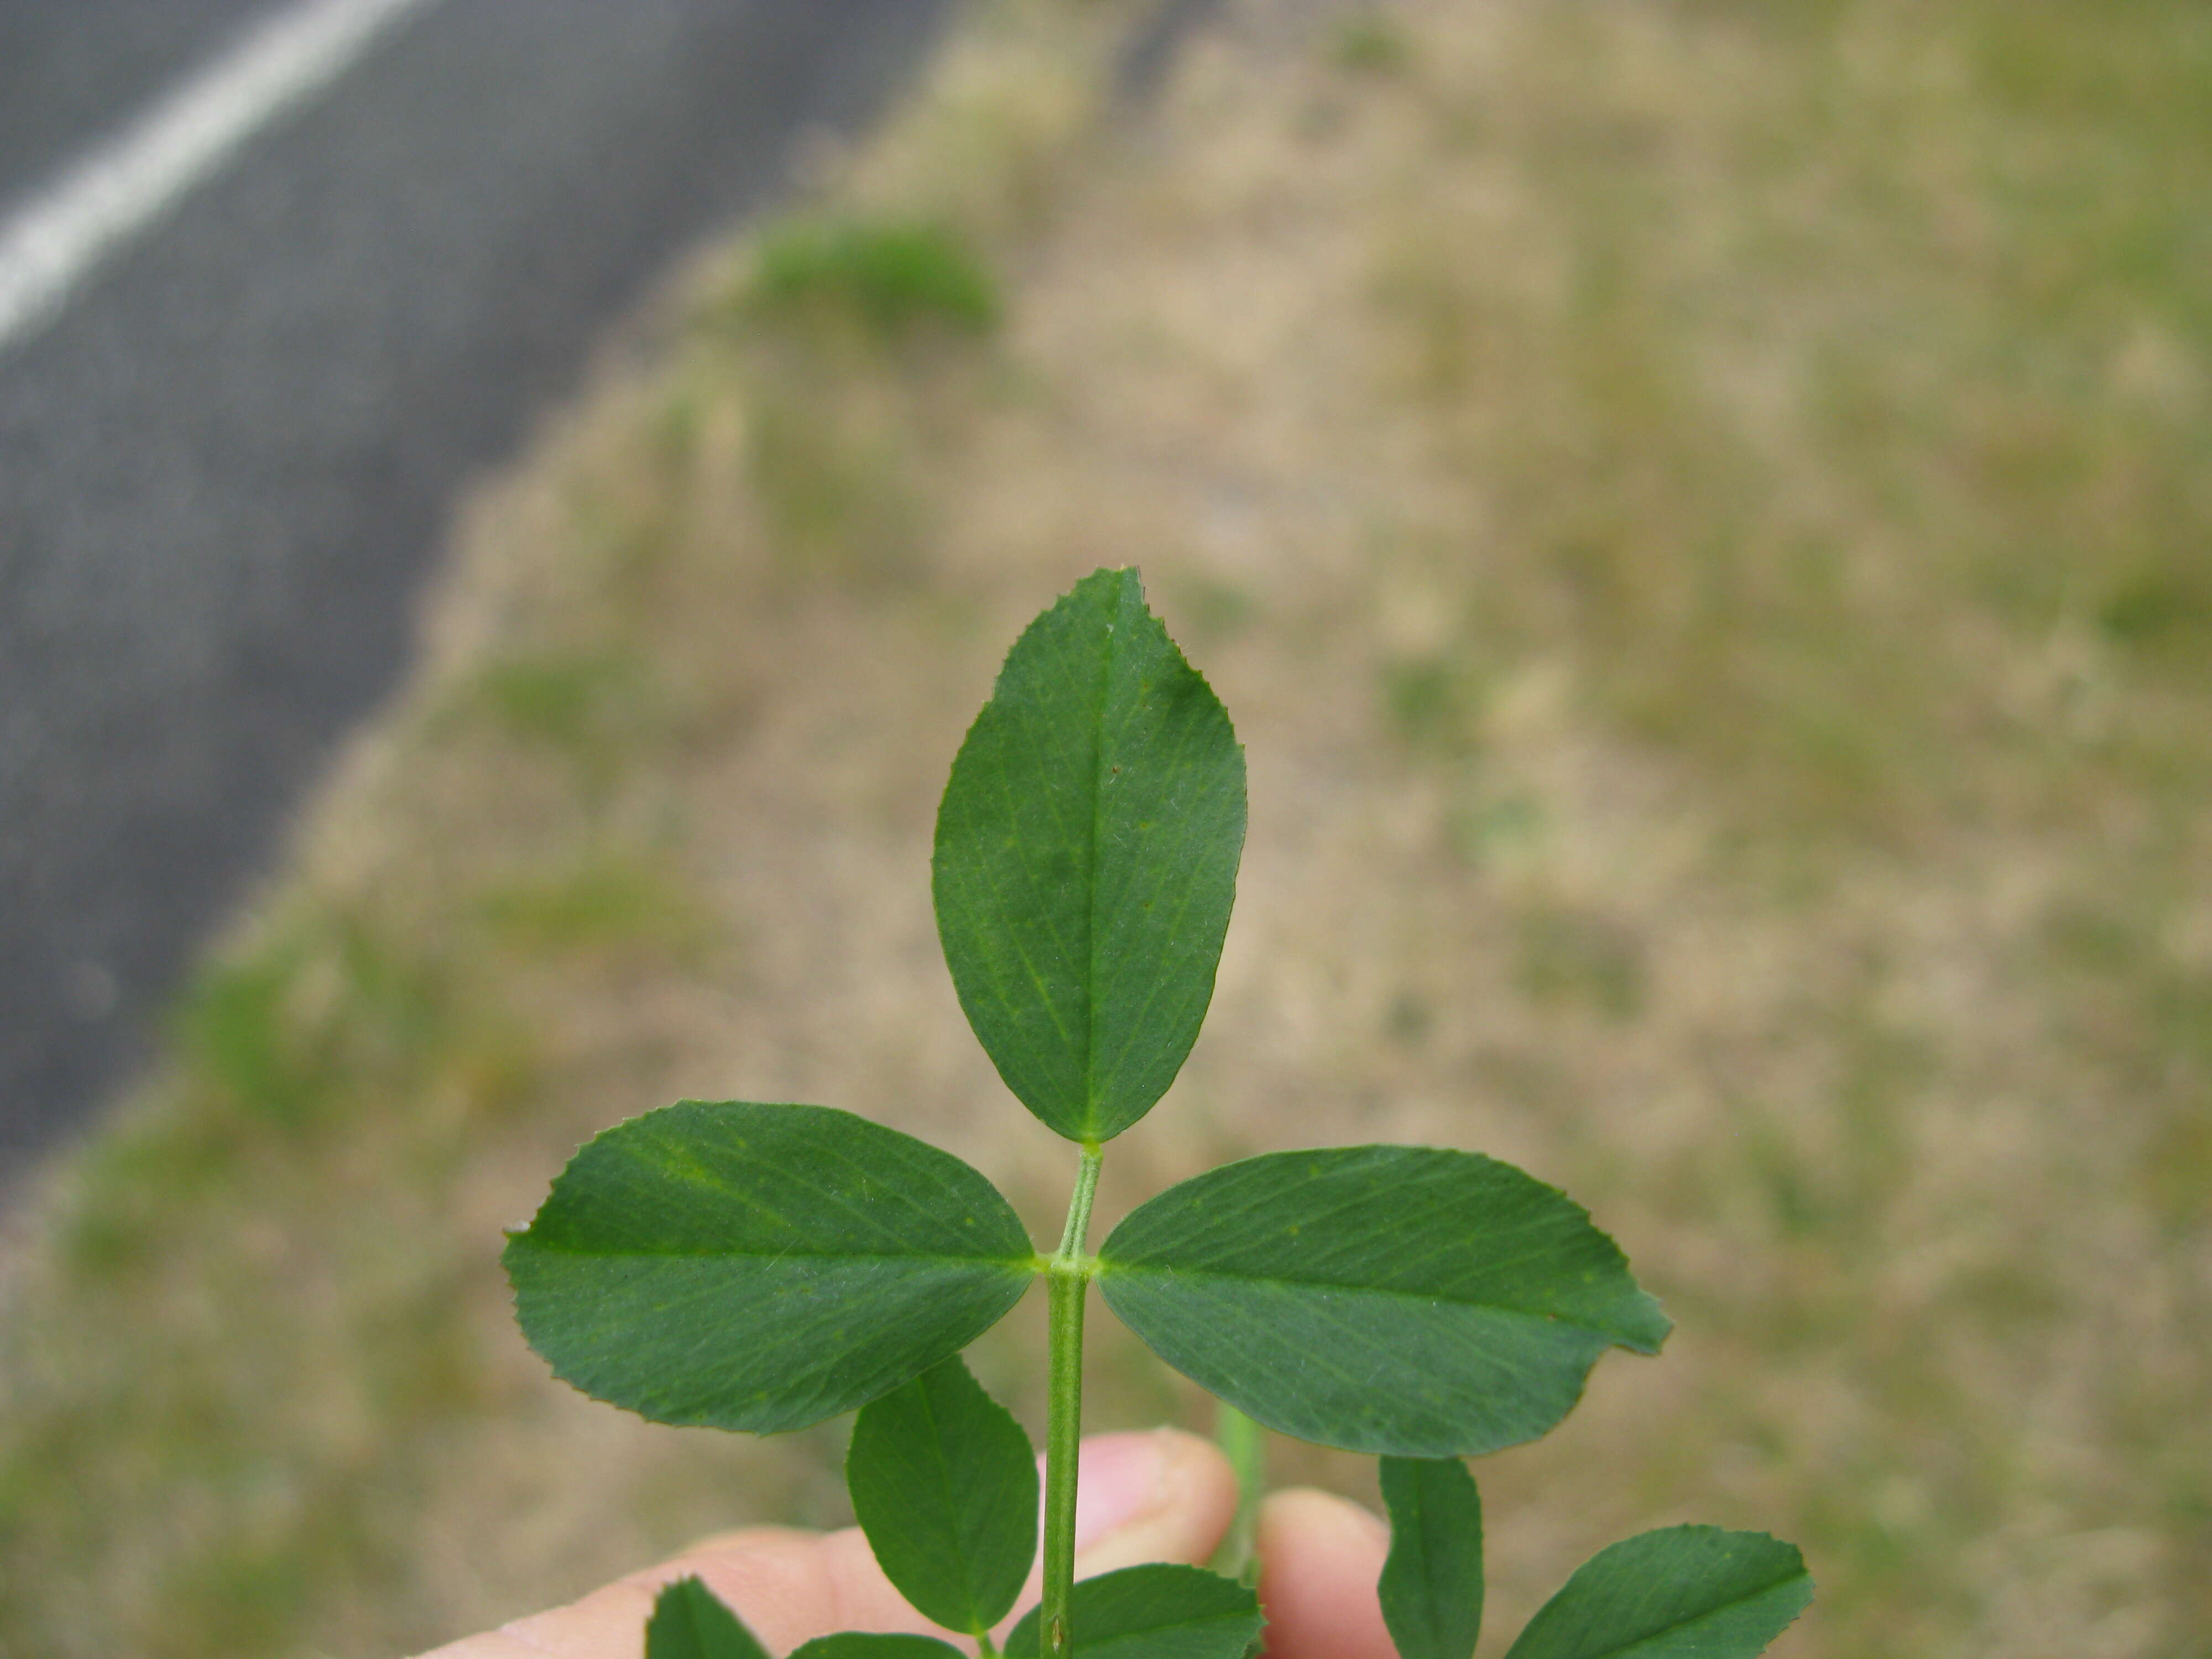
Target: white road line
64 231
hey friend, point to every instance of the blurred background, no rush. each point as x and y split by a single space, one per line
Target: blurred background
1701 512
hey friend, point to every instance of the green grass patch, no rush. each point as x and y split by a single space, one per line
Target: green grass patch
607 901
889 279
1369 43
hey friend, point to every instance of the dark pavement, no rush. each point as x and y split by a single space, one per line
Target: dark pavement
226 467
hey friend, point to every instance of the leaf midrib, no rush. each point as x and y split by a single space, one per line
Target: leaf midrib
1172 766
1108 1268
1099 775
1013 938
1029 1264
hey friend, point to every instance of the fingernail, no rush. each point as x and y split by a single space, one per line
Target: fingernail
1123 1478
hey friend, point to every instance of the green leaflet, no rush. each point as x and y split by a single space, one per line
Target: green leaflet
689 1622
1398 1300
874 1645
1086 859
761 1267
1432 1584
1679 1593
944 1485
1153 1612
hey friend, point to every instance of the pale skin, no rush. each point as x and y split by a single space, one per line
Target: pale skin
1157 1495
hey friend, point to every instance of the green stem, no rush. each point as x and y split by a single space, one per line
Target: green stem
1244 1443
1067 1278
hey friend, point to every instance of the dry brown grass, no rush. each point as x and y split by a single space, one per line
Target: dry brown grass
1698 513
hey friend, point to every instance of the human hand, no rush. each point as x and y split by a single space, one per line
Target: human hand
1157 1495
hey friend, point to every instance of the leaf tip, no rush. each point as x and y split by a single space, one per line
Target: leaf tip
1649 1326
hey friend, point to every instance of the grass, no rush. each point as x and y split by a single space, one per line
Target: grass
1699 510
890 280
855 340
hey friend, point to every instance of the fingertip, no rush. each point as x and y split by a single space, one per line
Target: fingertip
1319 1556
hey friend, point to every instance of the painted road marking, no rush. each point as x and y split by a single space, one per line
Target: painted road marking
62 233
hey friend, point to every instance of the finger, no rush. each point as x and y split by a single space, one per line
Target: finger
1319 1556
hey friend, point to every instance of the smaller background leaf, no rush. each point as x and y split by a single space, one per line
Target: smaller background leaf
876 1644
1153 1612
944 1485
1432 1584
691 1622
1679 1593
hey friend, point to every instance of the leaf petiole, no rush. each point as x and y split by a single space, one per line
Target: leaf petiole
1073 1237
1068 1277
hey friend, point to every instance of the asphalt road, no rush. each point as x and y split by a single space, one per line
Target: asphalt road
225 467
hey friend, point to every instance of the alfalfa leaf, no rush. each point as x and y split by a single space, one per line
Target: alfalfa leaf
1432 1583
944 1485
1157 1611
1679 1593
1404 1301
1086 859
876 1644
761 1267
691 1622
